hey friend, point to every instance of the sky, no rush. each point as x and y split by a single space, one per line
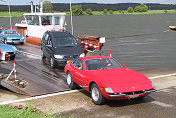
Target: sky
27 2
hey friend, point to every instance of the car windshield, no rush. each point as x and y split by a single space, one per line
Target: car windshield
10 32
101 63
68 41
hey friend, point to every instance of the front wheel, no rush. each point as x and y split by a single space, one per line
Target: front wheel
52 63
43 56
70 82
21 43
5 41
96 95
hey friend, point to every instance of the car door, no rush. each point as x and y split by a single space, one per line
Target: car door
47 47
80 75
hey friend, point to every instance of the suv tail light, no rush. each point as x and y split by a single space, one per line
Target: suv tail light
6 56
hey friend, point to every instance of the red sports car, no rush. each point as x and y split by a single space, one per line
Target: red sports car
105 78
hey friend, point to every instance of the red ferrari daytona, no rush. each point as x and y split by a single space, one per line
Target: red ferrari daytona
105 78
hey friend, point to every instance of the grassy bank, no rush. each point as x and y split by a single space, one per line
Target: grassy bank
20 14
13 14
137 13
29 112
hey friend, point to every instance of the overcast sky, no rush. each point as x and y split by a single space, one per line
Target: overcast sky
27 2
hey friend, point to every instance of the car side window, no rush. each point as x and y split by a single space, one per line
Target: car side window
73 63
49 41
80 64
46 39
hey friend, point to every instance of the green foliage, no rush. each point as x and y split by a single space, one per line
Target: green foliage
77 10
89 11
105 11
141 8
20 10
61 10
165 11
47 6
27 112
111 12
130 10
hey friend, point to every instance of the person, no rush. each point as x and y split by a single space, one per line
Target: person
45 21
80 66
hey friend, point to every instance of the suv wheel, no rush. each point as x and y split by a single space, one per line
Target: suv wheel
52 63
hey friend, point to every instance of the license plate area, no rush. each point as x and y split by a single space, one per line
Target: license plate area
133 96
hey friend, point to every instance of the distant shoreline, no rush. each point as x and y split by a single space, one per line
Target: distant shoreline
20 14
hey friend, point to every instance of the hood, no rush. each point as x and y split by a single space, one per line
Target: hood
75 50
14 36
121 79
7 48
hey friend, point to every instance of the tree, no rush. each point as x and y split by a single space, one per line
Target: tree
137 9
77 10
130 10
141 8
110 11
89 11
144 8
105 11
47 6
20 10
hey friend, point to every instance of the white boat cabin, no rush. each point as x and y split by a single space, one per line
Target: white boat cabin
36 24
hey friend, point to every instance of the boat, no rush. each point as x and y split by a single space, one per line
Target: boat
35 24
172 27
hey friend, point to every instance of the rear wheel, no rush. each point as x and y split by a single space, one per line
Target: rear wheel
70 82
96 95
52 63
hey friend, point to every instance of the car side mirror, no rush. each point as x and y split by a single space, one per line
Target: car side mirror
124 65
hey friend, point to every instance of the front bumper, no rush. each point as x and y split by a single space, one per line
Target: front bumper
124 95
62 62
15 41
128 95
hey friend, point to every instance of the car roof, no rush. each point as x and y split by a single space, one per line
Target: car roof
59 33
94 57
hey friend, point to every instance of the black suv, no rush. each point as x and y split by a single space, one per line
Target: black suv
60 47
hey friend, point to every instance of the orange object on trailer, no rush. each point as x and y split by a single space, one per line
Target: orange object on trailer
91 43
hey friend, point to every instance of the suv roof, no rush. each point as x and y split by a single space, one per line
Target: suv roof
59 33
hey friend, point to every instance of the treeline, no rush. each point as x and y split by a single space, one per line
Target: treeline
93 6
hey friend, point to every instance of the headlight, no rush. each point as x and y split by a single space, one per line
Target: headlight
8 38
58 56
109 90
82 55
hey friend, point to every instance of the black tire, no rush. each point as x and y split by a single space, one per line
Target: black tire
43 56
70 82
52 63
21 43
5 41
96 95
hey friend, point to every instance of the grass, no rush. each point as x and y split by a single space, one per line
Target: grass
20 14
136 13
27 112
13 14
